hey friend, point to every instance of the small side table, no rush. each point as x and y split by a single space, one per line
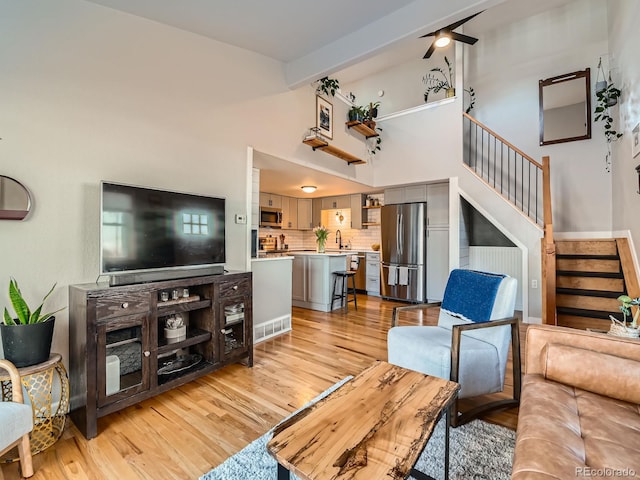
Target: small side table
46 388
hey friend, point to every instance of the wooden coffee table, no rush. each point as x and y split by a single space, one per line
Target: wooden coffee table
375 426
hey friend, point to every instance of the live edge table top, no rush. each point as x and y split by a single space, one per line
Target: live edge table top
374 426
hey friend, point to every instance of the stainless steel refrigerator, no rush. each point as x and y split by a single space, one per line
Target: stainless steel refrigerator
404 252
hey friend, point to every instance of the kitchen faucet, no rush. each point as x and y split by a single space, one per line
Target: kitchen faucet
339 238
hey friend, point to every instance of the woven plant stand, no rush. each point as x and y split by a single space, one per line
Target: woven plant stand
621 329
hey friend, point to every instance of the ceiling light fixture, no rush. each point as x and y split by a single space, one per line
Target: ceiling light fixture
442 40
309 188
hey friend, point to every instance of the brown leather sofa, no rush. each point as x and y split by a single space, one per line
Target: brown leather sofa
579 412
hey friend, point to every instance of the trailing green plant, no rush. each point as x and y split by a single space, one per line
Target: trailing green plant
604 99
438 80
472 99
24 315
374 144
328 86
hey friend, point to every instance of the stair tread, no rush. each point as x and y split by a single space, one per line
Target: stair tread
579 273
579 312
588 293
587 257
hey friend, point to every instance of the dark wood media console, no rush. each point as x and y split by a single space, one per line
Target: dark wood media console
121 355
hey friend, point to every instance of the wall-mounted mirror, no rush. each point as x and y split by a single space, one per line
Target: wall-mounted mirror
565 108
15 201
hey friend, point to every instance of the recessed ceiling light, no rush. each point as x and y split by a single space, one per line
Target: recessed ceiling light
443 40
309 188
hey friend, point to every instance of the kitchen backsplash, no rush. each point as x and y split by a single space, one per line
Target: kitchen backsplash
306 239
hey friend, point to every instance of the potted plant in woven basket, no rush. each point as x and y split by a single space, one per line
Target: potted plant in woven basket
622 328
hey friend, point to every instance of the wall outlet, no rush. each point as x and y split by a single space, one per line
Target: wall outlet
241 218
534 283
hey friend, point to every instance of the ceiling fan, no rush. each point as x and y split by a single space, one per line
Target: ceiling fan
446 34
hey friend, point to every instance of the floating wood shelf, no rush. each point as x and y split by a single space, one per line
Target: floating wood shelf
372 206
361 128
371 224
318 144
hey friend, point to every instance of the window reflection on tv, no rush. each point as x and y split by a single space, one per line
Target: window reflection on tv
144 229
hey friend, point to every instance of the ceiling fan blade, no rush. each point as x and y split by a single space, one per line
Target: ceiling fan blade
430 51
428 35
463 38
455 25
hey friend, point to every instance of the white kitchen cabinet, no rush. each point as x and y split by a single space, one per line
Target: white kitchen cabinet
356 202
437 262
270 200
415 193
340 201
394 195
312 285
289 213
305 214
373 273
410 194
299 283
438 205
316 211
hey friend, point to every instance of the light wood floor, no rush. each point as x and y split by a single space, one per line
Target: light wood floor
184 433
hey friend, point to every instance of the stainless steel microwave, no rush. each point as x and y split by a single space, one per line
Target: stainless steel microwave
270 217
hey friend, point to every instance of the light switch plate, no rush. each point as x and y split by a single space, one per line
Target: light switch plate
241 218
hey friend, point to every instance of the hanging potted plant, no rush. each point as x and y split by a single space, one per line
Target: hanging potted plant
439 80
605 98
328 86
26 338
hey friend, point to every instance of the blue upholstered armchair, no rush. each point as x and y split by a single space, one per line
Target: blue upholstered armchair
16 421
470 344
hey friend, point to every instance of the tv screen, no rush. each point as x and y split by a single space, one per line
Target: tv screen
147 229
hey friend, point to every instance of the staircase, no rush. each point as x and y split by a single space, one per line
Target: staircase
581 279
589 279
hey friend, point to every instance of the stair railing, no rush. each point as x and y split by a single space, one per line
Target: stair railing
509 171
523 182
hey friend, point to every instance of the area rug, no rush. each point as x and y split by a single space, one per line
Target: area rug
478 451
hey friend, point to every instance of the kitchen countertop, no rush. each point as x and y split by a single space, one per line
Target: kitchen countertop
270 258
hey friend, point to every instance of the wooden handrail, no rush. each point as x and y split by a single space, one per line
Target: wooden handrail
548 251
510 145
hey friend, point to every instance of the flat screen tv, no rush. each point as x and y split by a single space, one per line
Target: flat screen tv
151 235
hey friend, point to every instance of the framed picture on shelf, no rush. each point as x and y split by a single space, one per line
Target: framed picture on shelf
324 117
635 140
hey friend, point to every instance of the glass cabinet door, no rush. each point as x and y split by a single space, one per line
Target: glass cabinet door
233 338
123 358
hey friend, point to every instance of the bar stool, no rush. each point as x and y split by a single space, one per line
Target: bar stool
344 276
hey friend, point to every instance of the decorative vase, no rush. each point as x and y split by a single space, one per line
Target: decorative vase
26 345
320 246
451 92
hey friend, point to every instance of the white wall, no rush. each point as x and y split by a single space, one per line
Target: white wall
90 93
624 36
504 68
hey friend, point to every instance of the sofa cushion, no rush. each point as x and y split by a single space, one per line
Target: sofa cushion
565 432
601 373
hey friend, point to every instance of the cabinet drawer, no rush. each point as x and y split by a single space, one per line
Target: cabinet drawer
231 287
107 307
